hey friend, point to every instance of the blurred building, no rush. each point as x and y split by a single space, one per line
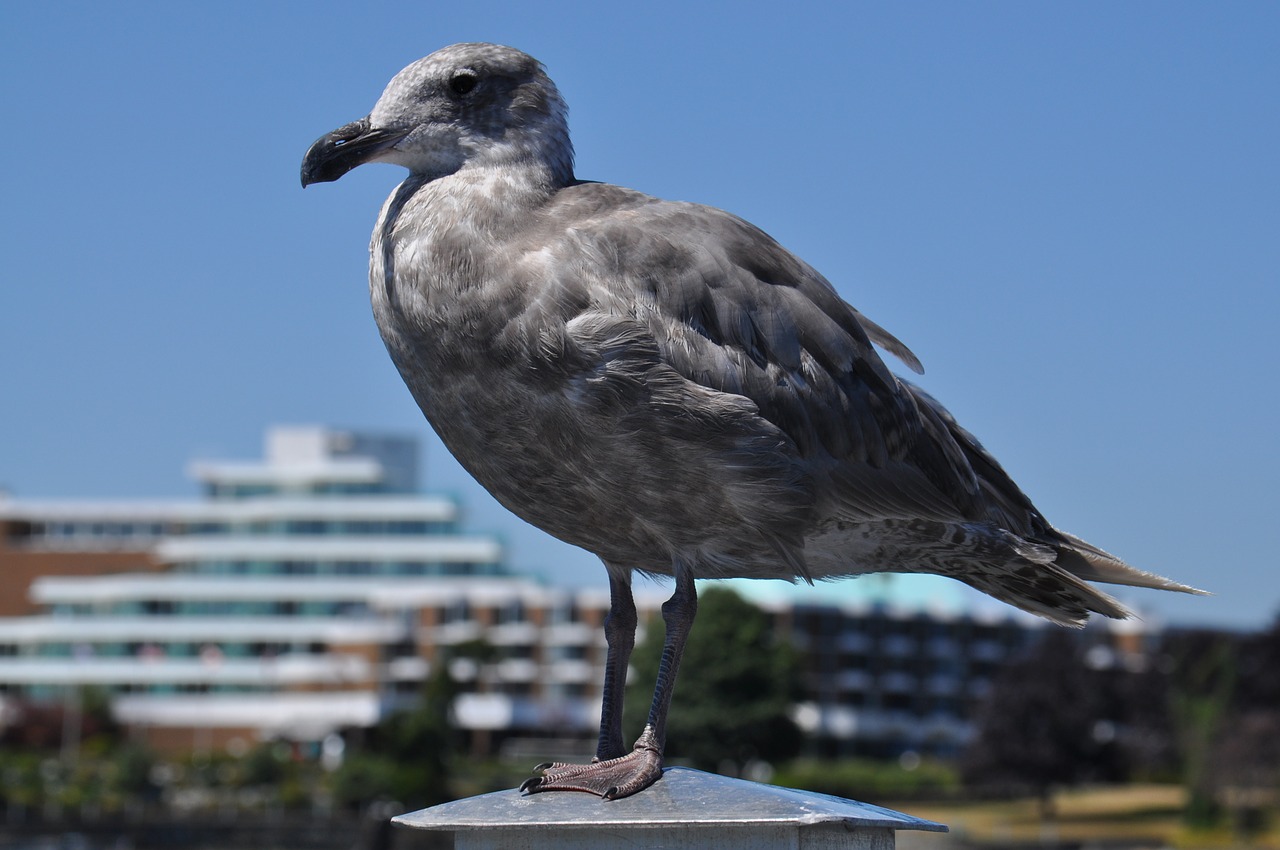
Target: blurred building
304 594
312 592
881 680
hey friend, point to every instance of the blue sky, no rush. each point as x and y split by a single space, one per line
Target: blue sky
1071 212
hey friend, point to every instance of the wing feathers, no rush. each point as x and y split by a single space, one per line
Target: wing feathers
1093 564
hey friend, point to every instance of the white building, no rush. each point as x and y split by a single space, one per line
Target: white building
305 594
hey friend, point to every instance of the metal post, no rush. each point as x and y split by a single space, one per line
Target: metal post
686 808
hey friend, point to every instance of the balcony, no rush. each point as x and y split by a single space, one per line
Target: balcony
211 670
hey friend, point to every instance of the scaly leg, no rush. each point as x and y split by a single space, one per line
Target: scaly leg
620 633
622 776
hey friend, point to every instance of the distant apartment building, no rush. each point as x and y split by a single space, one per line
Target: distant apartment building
312 592
881 680
302 595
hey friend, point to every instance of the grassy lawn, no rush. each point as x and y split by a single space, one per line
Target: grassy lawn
1147 815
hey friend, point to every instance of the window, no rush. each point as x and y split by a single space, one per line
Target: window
512 612
309 526
458 611
565 612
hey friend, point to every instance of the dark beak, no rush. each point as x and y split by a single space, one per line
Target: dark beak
334 154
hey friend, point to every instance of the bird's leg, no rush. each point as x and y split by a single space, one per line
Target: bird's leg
625 775
678 613
620 633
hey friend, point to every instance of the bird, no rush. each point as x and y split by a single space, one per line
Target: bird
663 384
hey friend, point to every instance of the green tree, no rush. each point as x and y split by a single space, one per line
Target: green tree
1037 729
1241 768
407 756
735 689
1201 694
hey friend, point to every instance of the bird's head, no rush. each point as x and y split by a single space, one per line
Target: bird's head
466 105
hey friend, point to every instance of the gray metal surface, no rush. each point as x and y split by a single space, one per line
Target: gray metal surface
683 797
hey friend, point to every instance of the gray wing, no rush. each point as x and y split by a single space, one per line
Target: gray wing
732 310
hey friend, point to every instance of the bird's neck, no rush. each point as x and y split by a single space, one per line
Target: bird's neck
489 204
439 234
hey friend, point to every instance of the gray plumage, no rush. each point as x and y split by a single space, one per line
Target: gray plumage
662 383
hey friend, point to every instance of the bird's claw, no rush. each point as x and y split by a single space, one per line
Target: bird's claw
611 779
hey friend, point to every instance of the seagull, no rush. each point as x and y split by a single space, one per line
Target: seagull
664 385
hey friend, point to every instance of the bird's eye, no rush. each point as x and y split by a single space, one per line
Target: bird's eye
462 83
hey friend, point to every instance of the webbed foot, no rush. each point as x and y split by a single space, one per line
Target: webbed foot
610 779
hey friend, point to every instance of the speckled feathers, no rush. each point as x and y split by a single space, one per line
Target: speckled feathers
663 383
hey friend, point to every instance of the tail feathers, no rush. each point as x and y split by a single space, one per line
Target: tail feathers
1088 562
1048 591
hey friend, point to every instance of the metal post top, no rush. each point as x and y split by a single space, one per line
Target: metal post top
682 797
